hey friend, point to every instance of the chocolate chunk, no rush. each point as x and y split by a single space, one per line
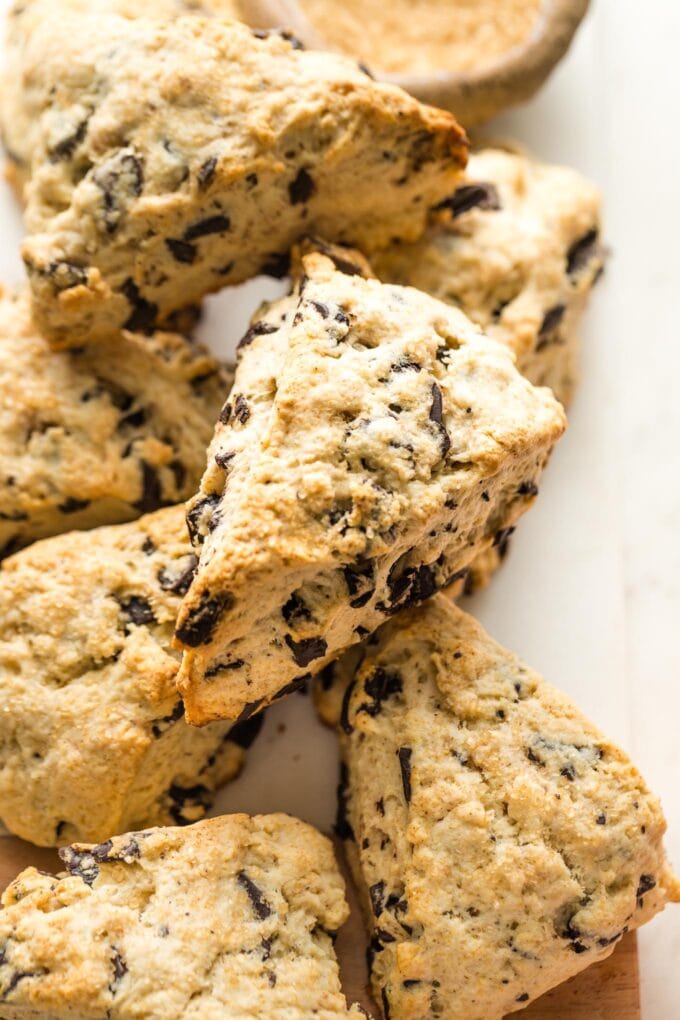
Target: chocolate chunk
133 420
436 416
119 178
295 609
224 667
119 969
601 819
406 365
137 610
524 997
142 319
181 251
307 649
299 684
160 725
260 905
551 320
17 976
360 581
646 883
257 329
66 146
472 196
223 459
568 772
302 188
528 489
203 618
582 251
277 264
241 409
80 863
188 798
345 724
408 586
502 539
377 894
71 505
151 497
218 224
323 310
179 580
225 413
244 733
338 257
283 33
248 711
343 828
404 754
206 173
380 686
65 275
199 517
15 515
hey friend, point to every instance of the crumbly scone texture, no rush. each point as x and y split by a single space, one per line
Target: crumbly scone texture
19 134
501 841
228 918
517 248
170 158
96 742
374 442
100 434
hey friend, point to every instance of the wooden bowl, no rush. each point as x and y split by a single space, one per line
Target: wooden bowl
473 95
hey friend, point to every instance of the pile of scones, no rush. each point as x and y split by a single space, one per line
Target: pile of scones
184 544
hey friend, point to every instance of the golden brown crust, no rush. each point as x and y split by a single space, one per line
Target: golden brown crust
169 171
374 442
502 842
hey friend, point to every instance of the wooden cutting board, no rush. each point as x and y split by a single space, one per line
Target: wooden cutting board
607 991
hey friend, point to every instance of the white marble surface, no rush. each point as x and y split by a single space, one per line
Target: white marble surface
591 592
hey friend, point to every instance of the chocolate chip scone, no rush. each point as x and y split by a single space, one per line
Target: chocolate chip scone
229 918
518 250
501 841
19 131
95 741
374 443
170 158
101 434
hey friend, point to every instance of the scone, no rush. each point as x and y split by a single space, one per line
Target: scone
374 443
101 434
24 16
517 249
501 841
93 739
229 918
170 158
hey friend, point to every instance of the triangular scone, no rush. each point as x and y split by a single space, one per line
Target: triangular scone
230 918
19 129
517 249
170 158
375 442
101 434
96 742
501 841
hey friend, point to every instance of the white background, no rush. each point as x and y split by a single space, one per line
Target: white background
590 594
